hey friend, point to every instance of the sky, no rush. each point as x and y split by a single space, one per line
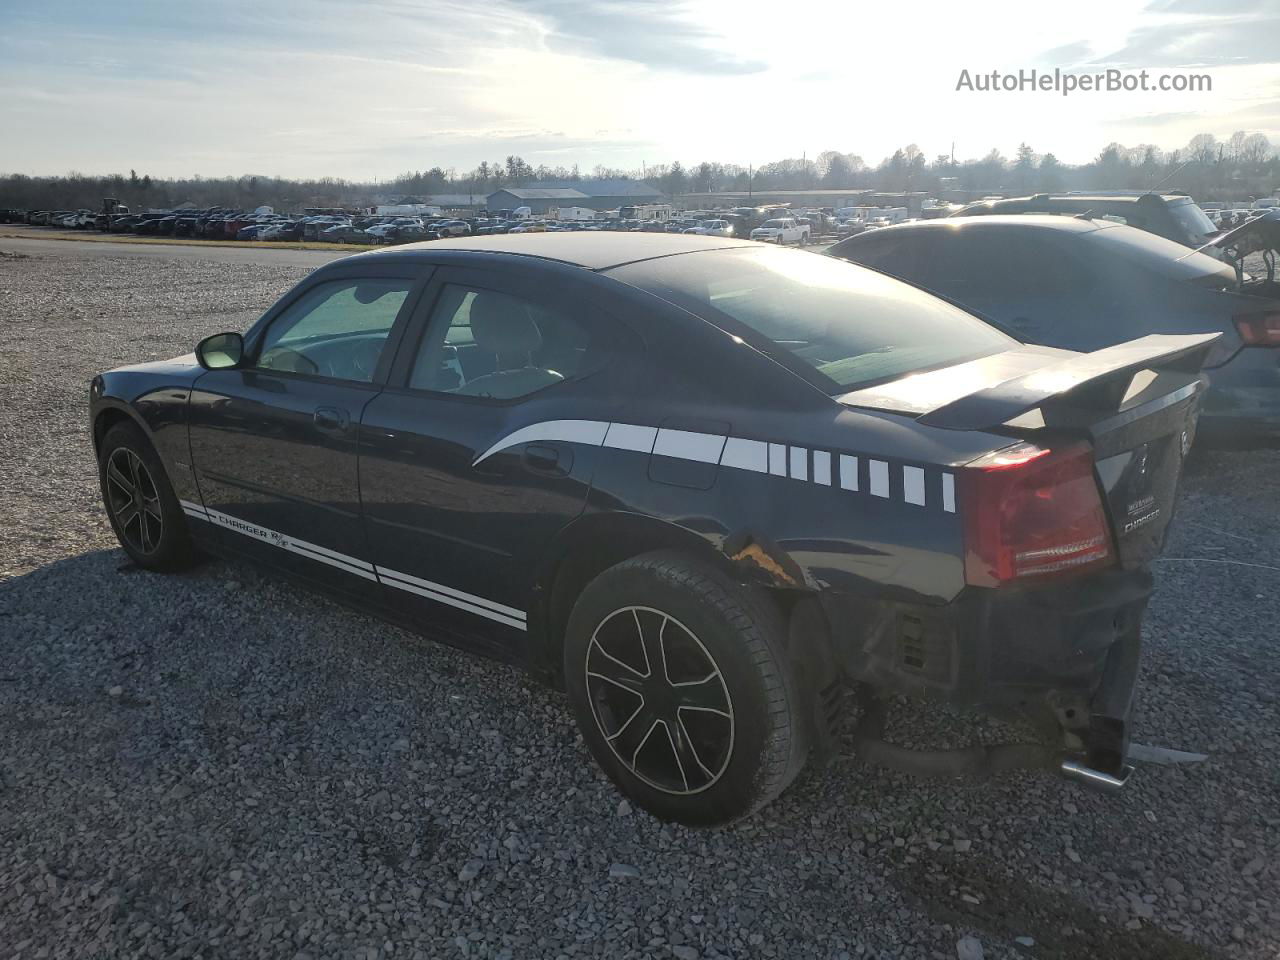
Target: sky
367 89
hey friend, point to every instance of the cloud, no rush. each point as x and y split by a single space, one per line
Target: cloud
1214 7
1154 119
655 33
1067 55
1223 33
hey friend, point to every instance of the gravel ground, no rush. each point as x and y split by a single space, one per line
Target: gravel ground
218 765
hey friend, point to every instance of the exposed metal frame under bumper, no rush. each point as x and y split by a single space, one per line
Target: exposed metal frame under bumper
1096 779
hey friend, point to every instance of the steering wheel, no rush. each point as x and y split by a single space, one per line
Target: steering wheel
291 361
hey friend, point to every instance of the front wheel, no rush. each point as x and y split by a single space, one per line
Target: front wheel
681 688
141 505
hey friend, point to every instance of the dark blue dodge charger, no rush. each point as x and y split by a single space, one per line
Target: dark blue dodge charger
707 487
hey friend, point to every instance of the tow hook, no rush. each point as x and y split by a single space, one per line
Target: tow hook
1095 779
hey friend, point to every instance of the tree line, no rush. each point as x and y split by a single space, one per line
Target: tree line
1243 165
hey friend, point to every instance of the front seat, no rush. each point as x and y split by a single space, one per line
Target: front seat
502 326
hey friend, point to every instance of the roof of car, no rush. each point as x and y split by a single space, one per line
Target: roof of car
1064 198
1047 220
593 250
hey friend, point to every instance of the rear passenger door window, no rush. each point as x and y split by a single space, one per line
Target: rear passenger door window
487 343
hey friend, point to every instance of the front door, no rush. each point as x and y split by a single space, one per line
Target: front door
274 442
468 465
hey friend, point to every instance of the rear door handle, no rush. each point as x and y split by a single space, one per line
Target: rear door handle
544 458
330 419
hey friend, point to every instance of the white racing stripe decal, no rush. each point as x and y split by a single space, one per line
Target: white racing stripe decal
758 456
493 605
687 445
438 592
588 432
453 598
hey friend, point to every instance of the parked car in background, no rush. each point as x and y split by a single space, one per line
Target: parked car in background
314 226
700 483
1089 284
278 230
712 228
344 233
782 230
820 224
1173 216
452 228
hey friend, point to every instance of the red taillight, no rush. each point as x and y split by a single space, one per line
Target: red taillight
1031 512
1259 329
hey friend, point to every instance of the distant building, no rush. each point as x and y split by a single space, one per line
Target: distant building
539 200
571 213
457 201
592 194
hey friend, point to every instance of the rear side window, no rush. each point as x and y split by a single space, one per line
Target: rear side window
487 343
851 327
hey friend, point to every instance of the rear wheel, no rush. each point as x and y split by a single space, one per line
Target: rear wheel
680 685
143 509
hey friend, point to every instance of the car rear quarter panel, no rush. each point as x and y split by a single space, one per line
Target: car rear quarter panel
831 500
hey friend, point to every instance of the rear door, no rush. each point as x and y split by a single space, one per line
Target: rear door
273 444
468 467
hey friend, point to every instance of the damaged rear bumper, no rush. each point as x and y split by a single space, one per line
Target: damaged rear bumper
1064 656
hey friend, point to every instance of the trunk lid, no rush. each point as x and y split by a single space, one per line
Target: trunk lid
1136 403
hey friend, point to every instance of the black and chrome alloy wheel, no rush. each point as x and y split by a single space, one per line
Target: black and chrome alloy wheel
659 700
143 509
134 501
680 683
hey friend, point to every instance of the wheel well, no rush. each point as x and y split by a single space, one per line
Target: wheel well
589 553
105 421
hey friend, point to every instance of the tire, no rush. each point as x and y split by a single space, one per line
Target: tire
127 462
721 741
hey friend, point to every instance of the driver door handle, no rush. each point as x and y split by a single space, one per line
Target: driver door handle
330 419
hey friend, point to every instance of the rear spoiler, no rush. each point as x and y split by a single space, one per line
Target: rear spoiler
1080 387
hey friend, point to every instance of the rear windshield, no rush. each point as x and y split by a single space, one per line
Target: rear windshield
1165 257
852 326
1193 220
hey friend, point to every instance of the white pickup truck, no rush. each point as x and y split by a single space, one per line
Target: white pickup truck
781 231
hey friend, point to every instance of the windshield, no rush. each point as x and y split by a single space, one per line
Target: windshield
775 223
853 326
1193 220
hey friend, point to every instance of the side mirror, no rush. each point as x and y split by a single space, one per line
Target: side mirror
222 351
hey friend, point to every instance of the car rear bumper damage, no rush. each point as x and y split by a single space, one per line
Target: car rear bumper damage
1063 656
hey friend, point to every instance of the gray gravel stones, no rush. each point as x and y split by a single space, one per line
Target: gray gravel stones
280 777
